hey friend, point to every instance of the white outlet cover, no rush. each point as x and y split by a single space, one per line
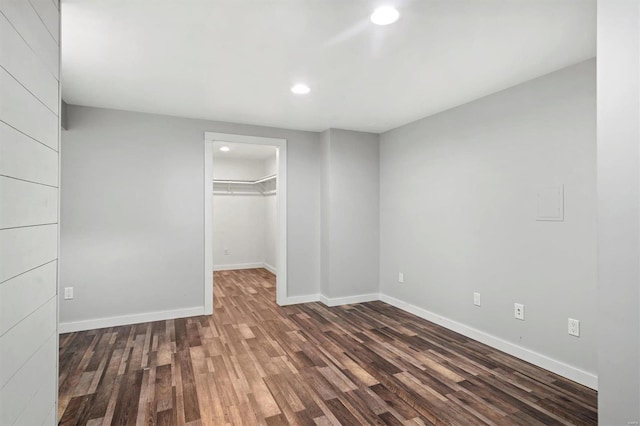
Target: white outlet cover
400 277
518 311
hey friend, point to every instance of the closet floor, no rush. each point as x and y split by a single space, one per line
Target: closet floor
252 362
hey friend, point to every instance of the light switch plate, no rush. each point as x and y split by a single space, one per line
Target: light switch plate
574 327
476 299
68 293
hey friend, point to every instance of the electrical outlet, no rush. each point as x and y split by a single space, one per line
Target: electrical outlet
226 252
68 293
400 277
476 299
518 311
574 327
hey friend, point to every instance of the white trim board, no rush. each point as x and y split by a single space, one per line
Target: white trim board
309 298
238 266
572 373
269 268
565 370
70 327
208 228
349 300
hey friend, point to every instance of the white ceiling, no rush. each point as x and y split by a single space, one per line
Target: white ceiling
235 60
245 151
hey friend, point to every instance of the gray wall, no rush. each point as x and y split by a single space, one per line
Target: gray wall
132 228
350 209
29 129
618 211
458 214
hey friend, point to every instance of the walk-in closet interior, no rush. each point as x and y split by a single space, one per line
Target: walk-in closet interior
244 206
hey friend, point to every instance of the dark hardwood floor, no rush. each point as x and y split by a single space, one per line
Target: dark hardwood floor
253 362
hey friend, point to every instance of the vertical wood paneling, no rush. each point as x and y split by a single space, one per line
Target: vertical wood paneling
26 113
26 203
29 25
29 139
17 58
25 293
22 249
24 158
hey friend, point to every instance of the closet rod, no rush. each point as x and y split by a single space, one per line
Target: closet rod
266 178
242 182
236 193
245 182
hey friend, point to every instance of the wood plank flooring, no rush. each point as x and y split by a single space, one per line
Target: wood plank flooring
253 362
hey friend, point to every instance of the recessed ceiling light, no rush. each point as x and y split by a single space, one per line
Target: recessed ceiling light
385 15
225 149
300 89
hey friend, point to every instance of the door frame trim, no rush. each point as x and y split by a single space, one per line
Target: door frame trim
281 207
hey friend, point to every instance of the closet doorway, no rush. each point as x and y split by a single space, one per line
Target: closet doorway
244 208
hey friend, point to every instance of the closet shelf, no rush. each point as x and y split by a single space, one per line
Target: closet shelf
246 182
262 186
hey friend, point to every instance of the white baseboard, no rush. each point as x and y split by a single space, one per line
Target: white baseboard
360 298
572 373
269 268
70 327
238 266
294 300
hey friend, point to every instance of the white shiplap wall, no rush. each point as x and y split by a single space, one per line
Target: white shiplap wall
29 136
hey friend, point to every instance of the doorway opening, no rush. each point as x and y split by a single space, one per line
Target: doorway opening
244 208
